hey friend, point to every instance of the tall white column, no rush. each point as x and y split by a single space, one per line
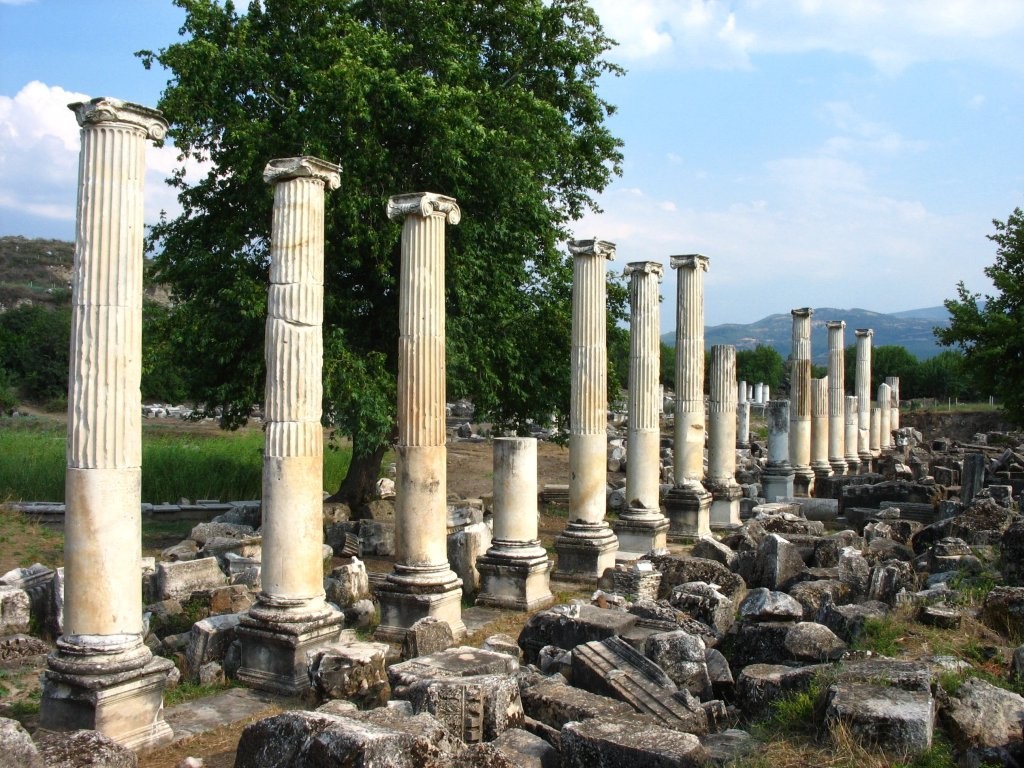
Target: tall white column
836 395
884 416
290 616
688 504
819 428
743 424
587 546
101 676
777 478
863 391
641 527
850 440
422 583
514 572
721 478
876 428
894 404
800 402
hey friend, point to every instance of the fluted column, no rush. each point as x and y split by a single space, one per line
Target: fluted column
777 478
894 405
800 402
884 416
850 440
587 546
819 428
641 527
514 572
102 647
836 395
687 505
721 477
422 583
863 391
743 424
290 616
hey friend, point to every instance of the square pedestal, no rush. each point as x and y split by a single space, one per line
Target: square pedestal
402 605
641 536
274 653
126 707
803 483
585 554
725 507
514 584
688 509
775 485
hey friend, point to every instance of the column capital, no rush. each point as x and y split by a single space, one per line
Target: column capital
592 247
106 109
644 268
864 333
424 204
833 325
691 261
287 168
802 312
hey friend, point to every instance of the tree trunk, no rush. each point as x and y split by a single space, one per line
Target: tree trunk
359 483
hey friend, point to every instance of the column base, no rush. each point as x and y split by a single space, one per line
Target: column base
803 482
821 469
514 582
641 531
866 462
688 508
852 465
585 551
778 482
838 467
274 648
125 705
725 507
410 594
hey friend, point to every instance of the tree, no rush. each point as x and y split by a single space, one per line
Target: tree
35 340
991 332
894 360
492 103
761 364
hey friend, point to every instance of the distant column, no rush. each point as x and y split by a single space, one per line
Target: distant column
874 441
688 504
743 425
587 546
863 390
850 441
102 676
884 417
800 402
291 616
836 395
777 478
422 583
721 479
641 527
894 404
819 428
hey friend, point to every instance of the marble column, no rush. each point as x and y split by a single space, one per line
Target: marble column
688 504
422 583
836 395
862 388
800 402
587 546
759 393
290 616
850 440
777 478
874 441
819 428
743 425
641 527
515 571
721 477
894 404
101 675
884 417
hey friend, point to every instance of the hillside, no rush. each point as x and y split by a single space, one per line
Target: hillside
911 329
34 271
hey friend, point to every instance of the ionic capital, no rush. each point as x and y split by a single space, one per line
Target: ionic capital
834 325
644 268
802 312
109 110
424 204
286 168
691 261
592 247
864 333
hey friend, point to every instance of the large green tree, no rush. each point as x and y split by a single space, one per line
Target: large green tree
990 329
761 364
494 103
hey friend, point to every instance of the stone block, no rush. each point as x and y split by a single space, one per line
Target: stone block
233 598
525 750
705 603
347 584
569 626
679 569
549 700
1003 610
179 580
763 604
758 686
762 642
427 636
209 641
778 563
352 670
83 748
464 547
15 611
683 658
847 621
884 717
16 746
984 722
807 641
628 742
474 708
813 594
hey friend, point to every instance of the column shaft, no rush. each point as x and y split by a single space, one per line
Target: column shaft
850 440
836 395
689 424
800 401
721 476
884 416
894 404
820 427
777 478
863 392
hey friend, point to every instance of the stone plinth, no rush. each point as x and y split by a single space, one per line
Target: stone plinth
850 442
102 676
836 396
819 428
587 546
514 572
777 478
884 417
641 527
721 479
800 402
291 616
862 389
422 584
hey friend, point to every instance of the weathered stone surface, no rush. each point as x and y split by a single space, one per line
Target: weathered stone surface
762 642
347 584
808 641
710 548
906 675
464 547
353 670
569 626
888 579
14 611
484 756
179 580
209 641
551 701
211 673
678 569
705 603
728 746
474 709
233 598
763 604
626 743
778 563
1003 610
502 643
759 685
83 749
462 661
204 532
940 616
525 750
16 747
722 682
854 570
21 647
847 621
1011 547
813 594
683 658
897 721
985 723
426 636
399 716
183 550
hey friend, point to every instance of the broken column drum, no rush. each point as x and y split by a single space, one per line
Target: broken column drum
777 478
291 616
587 546
894 405
688 503
721 479
876 426
743 424
800 402
514 572
101 675
884 417
641 527
422 584
836 396
850 440
862 388
819 428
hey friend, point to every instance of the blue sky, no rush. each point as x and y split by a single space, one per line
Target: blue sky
844 153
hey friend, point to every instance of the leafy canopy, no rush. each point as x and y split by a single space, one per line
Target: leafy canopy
493 103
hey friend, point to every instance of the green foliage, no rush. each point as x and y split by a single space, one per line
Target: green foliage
882 636
185 692
163 376
990 332
939 755
762 364
794 715
34 344
494 104
668 366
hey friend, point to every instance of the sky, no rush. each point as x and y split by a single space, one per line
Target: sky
824 153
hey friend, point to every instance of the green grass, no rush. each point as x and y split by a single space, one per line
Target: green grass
220 465
881 636
184 692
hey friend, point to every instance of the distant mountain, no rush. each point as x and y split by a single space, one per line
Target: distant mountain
911 329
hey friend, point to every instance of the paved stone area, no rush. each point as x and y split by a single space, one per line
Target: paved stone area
231 706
